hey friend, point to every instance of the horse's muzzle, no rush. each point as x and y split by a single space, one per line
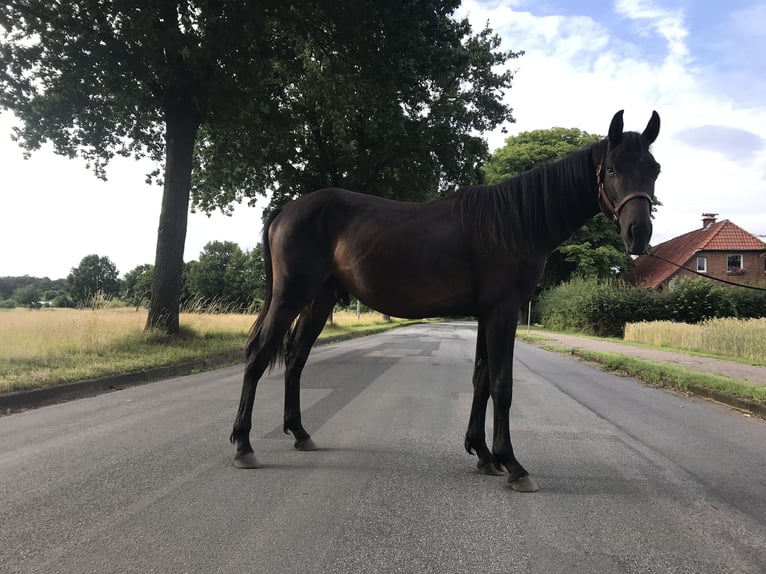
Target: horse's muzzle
637 237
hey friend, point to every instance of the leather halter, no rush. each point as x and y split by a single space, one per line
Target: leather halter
607 206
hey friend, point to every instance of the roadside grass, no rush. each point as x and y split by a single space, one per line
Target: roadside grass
664 374
54 346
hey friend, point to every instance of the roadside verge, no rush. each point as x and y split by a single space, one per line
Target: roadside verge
33 398
736 384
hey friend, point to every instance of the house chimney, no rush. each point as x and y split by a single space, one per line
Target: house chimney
708 219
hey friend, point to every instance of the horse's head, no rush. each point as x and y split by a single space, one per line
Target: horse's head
626 178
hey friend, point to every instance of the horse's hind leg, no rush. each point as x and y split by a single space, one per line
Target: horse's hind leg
475 436
310 324
262 348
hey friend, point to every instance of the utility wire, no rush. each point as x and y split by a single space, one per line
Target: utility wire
705 275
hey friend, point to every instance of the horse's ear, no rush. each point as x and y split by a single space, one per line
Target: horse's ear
652 128
615 128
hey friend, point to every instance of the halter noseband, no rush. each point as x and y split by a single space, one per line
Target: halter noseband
607 206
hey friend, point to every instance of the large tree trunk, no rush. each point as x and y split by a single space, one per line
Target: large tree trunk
180 135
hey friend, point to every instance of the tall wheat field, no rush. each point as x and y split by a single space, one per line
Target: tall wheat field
741 338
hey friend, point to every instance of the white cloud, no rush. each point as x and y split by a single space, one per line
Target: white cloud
668 24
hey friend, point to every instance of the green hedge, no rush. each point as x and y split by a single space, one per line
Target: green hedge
603 308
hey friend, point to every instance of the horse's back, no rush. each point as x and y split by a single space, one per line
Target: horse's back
398 257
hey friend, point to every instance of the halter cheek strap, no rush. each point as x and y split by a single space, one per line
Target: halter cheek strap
608 208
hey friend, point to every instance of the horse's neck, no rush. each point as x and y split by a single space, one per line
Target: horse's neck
573 203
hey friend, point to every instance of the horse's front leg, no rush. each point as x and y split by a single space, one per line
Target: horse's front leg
501 333
475 440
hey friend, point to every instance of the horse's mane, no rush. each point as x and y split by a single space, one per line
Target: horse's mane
543 200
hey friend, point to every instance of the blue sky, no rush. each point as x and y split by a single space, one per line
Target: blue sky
699 64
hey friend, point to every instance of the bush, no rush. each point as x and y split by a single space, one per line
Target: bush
749 304
603 308
607 312
562 307
7 304
63 300
694 300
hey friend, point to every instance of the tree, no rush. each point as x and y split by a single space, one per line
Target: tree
255 274
105 77
28 296
213 84
596 249
93 275
393 110
50 295
64 301
221 275
137 285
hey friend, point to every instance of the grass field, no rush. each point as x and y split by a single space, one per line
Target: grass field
52 346
740 338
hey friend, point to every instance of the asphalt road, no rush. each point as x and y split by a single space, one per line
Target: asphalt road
632 479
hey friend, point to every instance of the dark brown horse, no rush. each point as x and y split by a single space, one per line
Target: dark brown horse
478 252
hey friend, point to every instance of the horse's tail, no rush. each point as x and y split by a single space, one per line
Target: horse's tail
255 330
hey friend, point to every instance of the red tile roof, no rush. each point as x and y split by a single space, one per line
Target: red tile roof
721 236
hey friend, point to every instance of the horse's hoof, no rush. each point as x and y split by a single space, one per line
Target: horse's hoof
488 468
523 484
247 460
306 445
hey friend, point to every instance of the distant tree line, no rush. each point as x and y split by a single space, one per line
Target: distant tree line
223 278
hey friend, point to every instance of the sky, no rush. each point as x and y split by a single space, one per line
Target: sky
698 63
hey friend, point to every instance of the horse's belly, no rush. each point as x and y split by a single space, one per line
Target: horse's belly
406 286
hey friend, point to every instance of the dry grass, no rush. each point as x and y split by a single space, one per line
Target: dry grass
50 346
740 338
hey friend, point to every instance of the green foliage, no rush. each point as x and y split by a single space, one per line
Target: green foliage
528 149
749 303
577 257
390 103
558 306
137 285
226 276
7 304
64 301
603 308
9 284
93 275
28 296
616 304
595 307
694 300
589 261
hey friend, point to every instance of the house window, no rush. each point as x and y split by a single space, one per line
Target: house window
702 264
734 264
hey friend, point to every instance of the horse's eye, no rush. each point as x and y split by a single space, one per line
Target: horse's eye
610 170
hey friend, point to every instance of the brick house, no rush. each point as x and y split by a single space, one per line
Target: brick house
719 249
